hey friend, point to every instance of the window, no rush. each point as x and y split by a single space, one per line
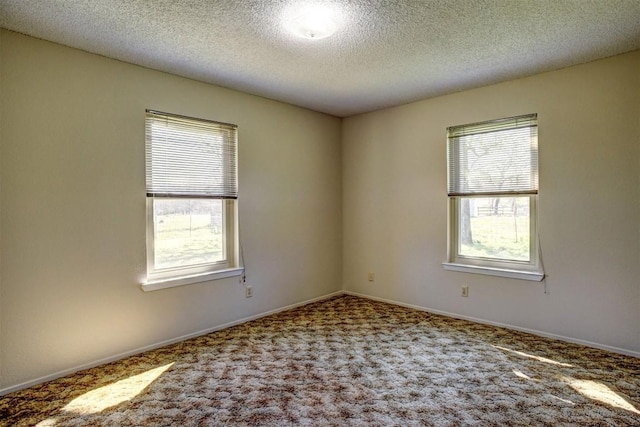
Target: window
492 188
191 174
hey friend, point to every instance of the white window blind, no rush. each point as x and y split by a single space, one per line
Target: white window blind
493 158
189 157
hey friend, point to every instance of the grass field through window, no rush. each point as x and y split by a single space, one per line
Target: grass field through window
188 239
498 228
503 237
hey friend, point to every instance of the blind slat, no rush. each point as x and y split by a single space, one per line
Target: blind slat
187 157
493 158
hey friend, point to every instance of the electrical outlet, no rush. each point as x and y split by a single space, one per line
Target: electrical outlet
465 291
372 277
248 291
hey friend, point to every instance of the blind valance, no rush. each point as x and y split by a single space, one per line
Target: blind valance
188 157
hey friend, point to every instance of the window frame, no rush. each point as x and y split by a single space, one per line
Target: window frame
161 278
194 270
524 270
528 270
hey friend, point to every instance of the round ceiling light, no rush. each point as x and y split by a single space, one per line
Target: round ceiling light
313 22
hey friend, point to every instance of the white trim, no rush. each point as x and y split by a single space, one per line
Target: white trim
150 347
139 350
502 325
493 271
172 282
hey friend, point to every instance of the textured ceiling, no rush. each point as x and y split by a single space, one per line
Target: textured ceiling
385 52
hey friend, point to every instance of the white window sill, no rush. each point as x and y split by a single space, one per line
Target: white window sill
535 276
155 285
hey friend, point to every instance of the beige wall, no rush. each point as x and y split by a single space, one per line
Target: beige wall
395 204
73 208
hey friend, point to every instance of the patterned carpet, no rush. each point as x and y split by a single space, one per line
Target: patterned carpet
346 361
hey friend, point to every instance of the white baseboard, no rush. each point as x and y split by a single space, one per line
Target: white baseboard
136 351
502 325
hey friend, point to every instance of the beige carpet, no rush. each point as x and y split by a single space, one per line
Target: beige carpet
345 361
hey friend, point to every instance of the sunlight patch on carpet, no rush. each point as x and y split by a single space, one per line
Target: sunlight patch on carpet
519 374
110 395
563 400
49 422
600 392
532 356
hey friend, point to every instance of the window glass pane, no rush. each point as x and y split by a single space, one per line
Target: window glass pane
188 232
494 227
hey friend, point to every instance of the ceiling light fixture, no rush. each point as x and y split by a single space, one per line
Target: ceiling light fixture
312 21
